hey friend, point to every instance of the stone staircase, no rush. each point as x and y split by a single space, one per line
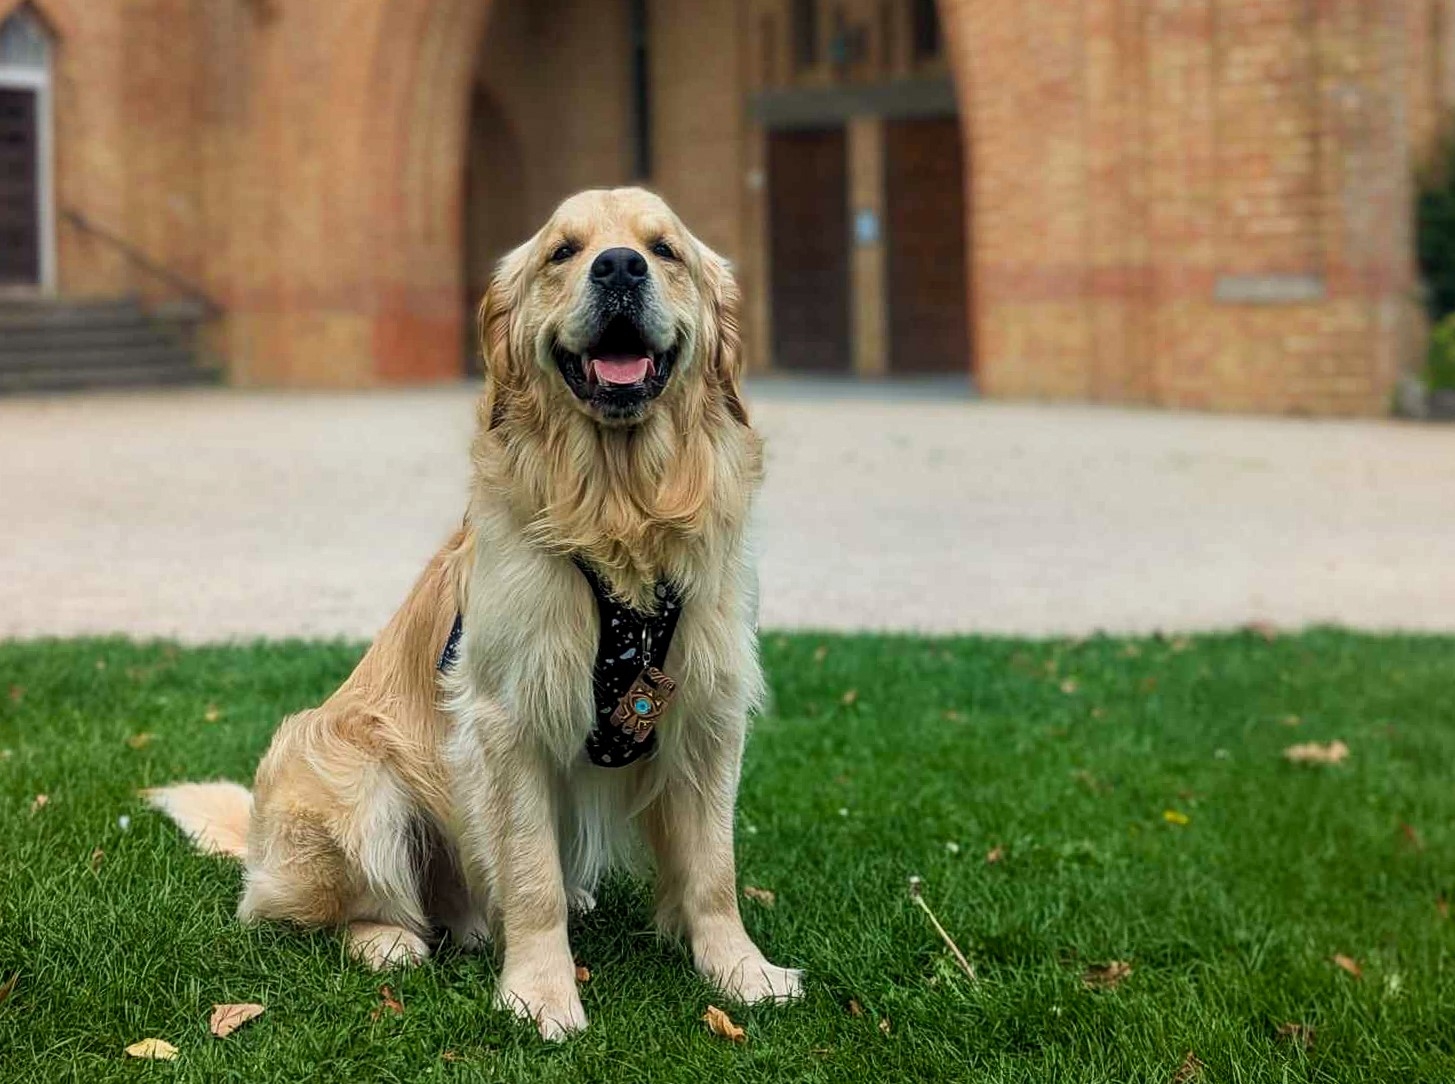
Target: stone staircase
59 344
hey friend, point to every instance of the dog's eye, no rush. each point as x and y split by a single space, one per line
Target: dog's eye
563 253
664 250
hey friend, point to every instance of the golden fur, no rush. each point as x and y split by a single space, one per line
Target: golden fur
410 800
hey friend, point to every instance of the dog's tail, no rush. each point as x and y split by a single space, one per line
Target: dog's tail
214 815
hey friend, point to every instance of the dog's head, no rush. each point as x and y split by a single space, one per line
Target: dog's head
612 308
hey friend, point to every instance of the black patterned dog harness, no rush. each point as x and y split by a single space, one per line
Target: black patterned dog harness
631 692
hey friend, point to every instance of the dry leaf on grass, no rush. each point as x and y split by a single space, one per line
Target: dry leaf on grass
17 693
153 1049
8 985
720 1023
1411 836
583 974
1297 1034
388 1003
994 855
855 1009
228 1018
1442 905
96 858
1069 686
1173 816
40 802
141 741
211 715
1312 752
765 896
1189 1070
1107 976
884 1026
820 653
1349 964
850 695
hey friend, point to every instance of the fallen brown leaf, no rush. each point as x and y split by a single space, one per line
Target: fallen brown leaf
389 1003
153 1049
583 974
1107 976
211 714
820 653
1297 1034
1189 1070
1442 905
721 1024
849 697
765 896
1349 964
884 1025
8 985
855 1009
96 856
141 741
1412 836
17 693
40 802
1312 752
449 1055
228 1018
994 855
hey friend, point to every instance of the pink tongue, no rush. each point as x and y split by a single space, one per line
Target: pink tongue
617 369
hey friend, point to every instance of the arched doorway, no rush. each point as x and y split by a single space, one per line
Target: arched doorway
27 199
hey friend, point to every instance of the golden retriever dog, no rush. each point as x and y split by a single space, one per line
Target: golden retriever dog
446 784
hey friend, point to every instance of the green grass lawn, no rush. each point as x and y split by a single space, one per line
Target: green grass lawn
882 758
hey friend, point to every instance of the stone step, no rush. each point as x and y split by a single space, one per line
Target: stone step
156 374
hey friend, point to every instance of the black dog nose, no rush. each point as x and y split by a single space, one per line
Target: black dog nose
620 268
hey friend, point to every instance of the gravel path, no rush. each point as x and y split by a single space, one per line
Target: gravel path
216 515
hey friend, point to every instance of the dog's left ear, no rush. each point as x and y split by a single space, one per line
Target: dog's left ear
724 346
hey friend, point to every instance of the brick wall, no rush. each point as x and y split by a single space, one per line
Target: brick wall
1142 175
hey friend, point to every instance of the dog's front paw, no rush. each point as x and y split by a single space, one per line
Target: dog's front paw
554 1007
751 979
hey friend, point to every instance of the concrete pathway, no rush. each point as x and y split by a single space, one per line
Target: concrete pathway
215 515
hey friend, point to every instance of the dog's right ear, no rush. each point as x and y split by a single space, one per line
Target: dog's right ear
501 301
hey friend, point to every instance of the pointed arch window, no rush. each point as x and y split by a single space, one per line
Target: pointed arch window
24 42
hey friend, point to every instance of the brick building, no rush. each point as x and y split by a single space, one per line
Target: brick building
1195 203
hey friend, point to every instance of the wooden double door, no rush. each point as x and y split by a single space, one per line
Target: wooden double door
810 233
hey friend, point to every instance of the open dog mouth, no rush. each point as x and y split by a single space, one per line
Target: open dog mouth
619 373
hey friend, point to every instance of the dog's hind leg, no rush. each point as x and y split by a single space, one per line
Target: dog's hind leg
340 848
